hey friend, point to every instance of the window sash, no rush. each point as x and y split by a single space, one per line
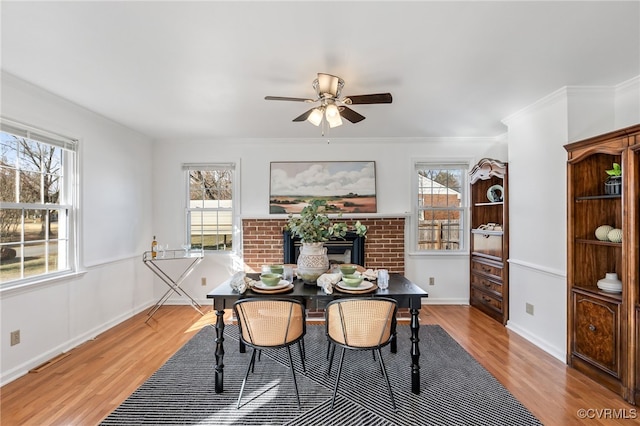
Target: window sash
218 232
55 251
447 226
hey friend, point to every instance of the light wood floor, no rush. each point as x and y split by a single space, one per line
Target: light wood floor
93 379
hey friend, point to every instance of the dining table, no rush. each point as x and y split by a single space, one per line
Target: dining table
406 293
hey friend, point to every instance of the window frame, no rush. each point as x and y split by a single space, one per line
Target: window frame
233 166
464 165
68 201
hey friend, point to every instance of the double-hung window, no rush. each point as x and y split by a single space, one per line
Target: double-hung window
210 210
441 206
38 173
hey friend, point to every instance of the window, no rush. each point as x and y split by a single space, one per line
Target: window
441 206
210 206
37 204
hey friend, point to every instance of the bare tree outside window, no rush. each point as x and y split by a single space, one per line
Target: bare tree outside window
210 208
34 225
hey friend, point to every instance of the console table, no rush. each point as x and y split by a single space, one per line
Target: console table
191 260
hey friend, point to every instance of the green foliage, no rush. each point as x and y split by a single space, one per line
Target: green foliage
616 171
313 225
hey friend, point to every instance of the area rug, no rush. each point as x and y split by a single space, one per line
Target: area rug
455 388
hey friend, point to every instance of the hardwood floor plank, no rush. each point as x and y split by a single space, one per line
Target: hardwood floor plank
89 383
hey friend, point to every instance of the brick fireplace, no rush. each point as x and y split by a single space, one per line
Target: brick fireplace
384 248
384 245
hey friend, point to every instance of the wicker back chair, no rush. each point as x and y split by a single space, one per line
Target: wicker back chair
360 324
271 324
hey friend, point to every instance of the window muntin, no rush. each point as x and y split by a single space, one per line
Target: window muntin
440 206
37 170
210 207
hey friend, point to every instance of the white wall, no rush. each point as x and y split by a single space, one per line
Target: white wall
537 200
115 225
394 171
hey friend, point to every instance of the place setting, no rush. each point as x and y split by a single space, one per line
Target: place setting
353 281
274 279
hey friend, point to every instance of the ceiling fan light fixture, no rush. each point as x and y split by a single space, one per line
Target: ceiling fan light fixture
329 84
333 116
315 117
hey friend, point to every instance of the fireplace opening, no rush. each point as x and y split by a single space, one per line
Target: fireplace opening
347 250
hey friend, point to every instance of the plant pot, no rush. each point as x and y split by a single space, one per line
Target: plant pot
312 262
613 185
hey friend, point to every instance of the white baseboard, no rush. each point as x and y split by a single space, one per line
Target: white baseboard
444 301
22 369
541 343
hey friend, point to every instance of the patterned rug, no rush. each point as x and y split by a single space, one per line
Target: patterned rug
455 388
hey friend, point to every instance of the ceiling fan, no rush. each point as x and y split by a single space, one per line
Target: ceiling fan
332 108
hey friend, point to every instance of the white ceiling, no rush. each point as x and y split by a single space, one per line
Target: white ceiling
201 69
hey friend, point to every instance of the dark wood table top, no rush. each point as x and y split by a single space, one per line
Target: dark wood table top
400 288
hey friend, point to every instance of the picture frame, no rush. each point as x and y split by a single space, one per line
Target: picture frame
348 186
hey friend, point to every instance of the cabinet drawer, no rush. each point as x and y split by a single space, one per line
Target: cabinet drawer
487 268
597 332
486 299
488 244
486 284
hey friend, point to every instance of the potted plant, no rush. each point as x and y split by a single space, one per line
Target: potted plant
613 184
314 227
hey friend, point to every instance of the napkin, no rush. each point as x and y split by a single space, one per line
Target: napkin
370 275
238 282
327 281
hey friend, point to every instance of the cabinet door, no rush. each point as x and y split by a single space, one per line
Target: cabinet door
597 332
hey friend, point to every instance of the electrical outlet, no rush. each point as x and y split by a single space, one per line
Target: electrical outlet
15 337
529 308
432 281
203 281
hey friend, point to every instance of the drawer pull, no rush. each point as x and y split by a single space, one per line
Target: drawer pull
486 284
486 299
592 327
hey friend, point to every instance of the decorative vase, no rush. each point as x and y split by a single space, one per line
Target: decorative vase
312 262
602 232
610 283
615 235
613 185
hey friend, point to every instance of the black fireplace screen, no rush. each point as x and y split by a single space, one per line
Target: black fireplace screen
338 249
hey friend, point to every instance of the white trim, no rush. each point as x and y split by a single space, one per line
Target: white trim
26 284
541 343
23 368
539 268
444 301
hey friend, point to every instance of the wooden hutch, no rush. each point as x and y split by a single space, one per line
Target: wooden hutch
602 334
489 275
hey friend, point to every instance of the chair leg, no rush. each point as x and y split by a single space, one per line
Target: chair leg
244 381
332 350
293 375
386 378
302 355
335 388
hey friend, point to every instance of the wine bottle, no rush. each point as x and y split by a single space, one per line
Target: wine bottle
154 248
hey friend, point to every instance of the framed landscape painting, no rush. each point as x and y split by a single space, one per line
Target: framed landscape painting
348 186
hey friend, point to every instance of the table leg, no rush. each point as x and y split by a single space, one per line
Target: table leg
415 352
219 378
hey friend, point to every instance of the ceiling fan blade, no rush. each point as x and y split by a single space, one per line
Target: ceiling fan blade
350 114
304 116
378 98
284 98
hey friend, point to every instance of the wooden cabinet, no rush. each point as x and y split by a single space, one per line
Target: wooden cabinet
602 335
489 275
